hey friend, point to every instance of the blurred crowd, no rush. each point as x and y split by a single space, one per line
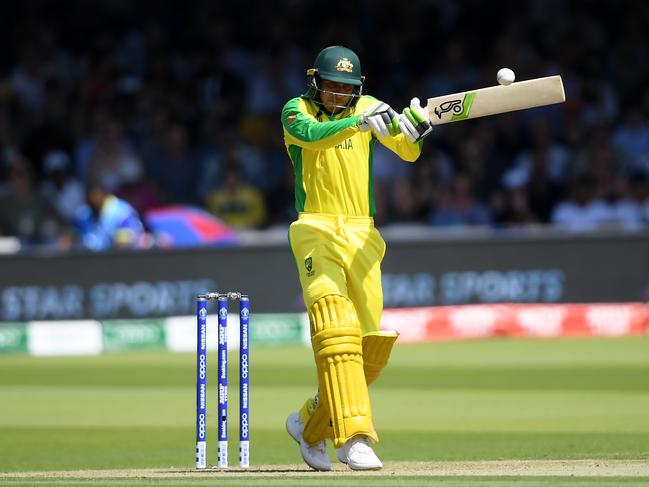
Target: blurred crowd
167 102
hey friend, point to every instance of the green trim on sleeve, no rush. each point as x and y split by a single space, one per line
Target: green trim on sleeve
371 178
295 153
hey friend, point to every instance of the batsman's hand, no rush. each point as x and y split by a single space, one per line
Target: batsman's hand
413 122
381 119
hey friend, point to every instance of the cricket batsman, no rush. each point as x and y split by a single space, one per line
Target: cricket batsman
330 133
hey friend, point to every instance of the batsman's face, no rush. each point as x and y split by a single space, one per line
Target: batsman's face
335 96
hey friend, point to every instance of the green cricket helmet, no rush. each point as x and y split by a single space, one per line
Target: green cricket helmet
339 65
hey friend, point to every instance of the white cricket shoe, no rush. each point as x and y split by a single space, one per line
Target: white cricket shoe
358 455
315 456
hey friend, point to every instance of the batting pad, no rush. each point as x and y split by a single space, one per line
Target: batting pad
377 347
317 422
337 347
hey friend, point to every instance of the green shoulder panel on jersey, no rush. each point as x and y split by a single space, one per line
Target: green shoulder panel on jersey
303 128
369 98
295 153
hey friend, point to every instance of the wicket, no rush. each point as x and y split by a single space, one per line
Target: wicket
201 378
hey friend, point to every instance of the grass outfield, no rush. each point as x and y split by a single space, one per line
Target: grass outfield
457 402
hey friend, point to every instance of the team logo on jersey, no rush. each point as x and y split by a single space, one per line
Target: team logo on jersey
291 119
345 65
308 264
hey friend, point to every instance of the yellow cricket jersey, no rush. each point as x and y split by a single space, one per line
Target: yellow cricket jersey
332 158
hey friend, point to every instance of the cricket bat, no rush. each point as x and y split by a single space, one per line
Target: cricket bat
495 99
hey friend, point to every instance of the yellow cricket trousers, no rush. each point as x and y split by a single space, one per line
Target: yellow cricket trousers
340 255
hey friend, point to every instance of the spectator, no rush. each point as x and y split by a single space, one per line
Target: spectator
27 214
640 191
236 203
142 71
627 210
273 83
542 190
27 79
52 128
473 163
258 156
111 160
62 189
460 207
640 188
387 169
139 191
582 210
106 221
173 166
600 101
544 148
415 196
513 209
632 139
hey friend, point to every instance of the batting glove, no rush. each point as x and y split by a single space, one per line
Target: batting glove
413 122
381 119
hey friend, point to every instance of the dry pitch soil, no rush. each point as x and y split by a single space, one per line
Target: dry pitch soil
531 468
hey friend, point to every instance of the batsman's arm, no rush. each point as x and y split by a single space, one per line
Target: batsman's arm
402 147
305 131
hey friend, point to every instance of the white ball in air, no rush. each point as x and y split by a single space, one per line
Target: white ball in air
505 76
